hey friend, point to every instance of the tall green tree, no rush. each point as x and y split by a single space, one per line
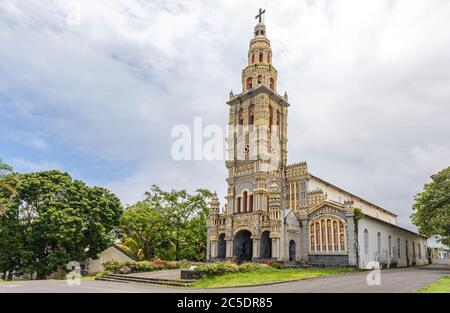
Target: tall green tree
168 224
6 190
432 207
58 220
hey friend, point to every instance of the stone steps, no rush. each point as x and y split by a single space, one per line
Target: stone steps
145 280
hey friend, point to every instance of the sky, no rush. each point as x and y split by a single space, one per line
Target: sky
94 88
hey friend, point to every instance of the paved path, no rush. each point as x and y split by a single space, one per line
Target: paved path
396 280
166 274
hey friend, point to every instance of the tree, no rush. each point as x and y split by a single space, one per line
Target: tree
168 224
59 220
5 187
143 231
432 207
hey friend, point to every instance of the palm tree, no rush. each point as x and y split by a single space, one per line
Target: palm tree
133 247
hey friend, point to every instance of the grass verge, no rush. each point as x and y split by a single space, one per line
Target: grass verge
440 286
271 275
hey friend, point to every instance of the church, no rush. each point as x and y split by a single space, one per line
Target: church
283 212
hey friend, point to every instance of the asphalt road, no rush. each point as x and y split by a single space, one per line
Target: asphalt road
395 280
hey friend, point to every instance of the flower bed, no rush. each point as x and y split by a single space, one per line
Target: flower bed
200 269
144 266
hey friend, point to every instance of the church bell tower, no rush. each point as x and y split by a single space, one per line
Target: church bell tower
251 227
257 133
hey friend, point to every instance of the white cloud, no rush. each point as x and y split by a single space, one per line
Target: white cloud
30 166
367 81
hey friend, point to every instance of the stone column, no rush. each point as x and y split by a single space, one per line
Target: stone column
208 249
304 239
214 249
276 249
229 248
256 248
351 239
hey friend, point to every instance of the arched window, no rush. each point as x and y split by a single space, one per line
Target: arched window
398 248
270 116
249 83
323 235
414 250
244 198
406 250
420 251
341 236
261 57
317 224
250 203
268 58
390 246
335 236
267 203
379 244
366 242
259 79
238 205
327 235
272 84
253 58
251 114
241 117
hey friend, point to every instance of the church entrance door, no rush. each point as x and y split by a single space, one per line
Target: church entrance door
266 245
222 247
243 246
292 251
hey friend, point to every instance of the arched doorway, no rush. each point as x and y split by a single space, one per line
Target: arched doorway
222 247
292 250
266 245
242 246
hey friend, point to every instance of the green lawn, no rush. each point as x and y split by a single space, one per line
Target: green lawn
271 275
440 286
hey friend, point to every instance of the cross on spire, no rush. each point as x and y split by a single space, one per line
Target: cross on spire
260 14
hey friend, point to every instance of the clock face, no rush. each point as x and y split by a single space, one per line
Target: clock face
242 150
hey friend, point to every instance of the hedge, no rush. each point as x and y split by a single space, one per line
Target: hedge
144 266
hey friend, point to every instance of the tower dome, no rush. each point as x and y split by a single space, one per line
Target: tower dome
259 69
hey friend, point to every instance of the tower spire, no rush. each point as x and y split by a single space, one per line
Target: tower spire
259 69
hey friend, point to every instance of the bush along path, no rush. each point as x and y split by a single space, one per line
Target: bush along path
211 275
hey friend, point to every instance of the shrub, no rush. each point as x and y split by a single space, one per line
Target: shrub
218 268
268 262
251 267
277 265
112 266
144 266
104 273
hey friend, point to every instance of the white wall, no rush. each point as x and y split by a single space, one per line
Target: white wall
96 266
340 196
373 227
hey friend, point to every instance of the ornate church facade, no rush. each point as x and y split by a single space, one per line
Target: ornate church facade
283 212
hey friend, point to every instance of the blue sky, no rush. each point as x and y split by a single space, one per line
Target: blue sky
97 93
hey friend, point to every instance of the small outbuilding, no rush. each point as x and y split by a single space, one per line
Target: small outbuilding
113 253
